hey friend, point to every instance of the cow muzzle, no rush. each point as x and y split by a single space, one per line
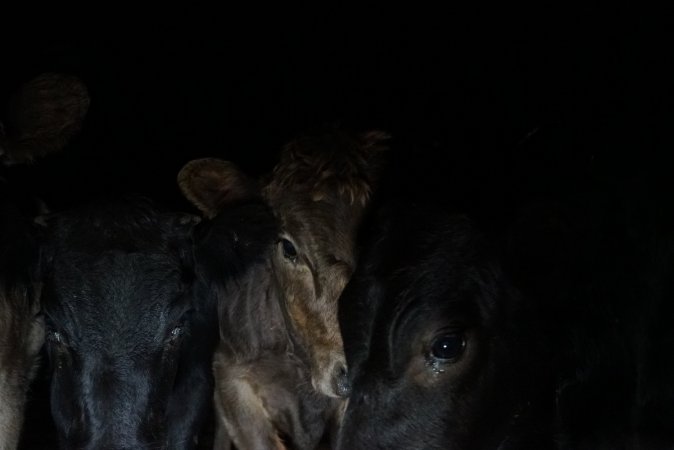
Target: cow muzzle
334 380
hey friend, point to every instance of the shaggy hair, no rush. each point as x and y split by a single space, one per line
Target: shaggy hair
329 163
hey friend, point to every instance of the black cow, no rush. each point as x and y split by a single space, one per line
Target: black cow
130 329
441 349
552 332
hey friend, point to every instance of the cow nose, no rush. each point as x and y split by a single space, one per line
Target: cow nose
343 386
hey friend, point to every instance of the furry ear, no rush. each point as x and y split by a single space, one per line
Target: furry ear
211 183
43 115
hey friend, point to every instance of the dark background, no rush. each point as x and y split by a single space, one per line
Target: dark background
501 104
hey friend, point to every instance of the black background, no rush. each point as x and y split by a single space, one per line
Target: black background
501 104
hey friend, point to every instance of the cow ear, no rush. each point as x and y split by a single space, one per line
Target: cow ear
43 115
211 183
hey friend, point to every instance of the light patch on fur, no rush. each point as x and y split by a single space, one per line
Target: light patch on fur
11 411
9 422
248 423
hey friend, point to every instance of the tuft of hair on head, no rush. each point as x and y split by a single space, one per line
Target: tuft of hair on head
332 163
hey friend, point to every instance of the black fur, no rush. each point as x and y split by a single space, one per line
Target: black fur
131 329
426 272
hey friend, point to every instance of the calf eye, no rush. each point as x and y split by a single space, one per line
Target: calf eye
448 347
289 251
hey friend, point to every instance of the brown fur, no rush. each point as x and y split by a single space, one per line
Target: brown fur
328 165
318 192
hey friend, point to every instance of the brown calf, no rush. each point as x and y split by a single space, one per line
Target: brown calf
318 192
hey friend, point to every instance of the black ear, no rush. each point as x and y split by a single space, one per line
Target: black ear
239 236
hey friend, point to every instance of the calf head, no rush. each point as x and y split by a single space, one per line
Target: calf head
431 339
129 338
317 192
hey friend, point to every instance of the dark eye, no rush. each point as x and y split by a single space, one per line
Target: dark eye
174 337
58 349
176 333
52 335
448 347
55 337
179 329
289 251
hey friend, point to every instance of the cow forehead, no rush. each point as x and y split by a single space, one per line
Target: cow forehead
117 296
326 227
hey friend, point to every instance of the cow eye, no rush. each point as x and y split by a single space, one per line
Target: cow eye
52 335
175 336
176 332
289 251
59 351
448 347
55 337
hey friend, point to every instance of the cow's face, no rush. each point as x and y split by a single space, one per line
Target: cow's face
431 365
312 262
129 346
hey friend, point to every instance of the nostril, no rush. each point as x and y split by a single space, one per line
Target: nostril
342 380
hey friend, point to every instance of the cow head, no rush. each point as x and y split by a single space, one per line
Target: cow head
433 339
318 192
129 338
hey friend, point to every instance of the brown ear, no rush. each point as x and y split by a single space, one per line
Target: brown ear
211 183
43 116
